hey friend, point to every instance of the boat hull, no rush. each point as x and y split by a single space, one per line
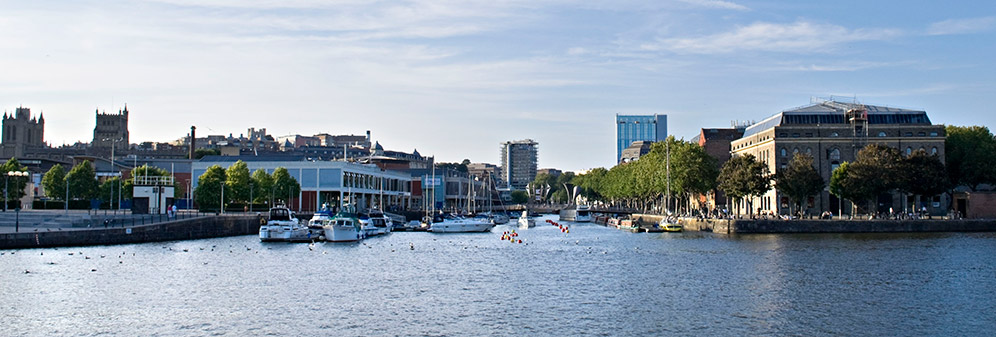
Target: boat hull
337 233
460 227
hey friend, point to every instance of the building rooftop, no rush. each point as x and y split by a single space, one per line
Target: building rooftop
834 112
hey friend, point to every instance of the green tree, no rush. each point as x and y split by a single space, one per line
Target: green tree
743 177
876 171
839 185
923 175
82 180
520 197
262 184
799 180
14 184
109 191
970 156
54 182
285 187
207 194
200 153
590 183
237 182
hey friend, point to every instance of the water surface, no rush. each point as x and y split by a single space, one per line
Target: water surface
591 281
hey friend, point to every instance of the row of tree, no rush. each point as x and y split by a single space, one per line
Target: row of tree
684 169
235 184
668 176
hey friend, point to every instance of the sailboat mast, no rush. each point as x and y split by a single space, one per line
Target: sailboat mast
667 165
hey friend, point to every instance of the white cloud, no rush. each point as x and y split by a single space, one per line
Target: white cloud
799 37
962 26
717 4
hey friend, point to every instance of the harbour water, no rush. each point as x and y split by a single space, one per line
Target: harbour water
591 281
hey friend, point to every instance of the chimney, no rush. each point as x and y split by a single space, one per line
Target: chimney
193 141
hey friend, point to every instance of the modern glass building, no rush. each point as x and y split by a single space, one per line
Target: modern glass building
631 128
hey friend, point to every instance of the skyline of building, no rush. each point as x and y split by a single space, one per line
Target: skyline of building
632 128
518 163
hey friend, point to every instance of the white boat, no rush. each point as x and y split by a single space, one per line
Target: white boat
579 213
375 223
496 218
525 221
343 227
284 227
460 225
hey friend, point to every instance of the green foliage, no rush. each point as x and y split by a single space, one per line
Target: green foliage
110 191
744 176
799 180
285 187
237 182
838 181
970 156
462 167
145 171
262 185
520 197
591 183
82 180
54 182
208 191
200 153
877 170
15 185
924 174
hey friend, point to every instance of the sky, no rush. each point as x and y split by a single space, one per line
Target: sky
454 79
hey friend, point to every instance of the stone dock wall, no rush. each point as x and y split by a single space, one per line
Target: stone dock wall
184 229
747 226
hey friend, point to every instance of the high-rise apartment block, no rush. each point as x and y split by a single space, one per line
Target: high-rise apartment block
518 163
631 128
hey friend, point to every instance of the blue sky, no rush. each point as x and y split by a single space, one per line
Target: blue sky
456 78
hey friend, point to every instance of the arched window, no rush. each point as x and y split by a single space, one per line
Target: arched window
834 134
809 151
881 134
784 152
835 154
934 150
795 151
909 151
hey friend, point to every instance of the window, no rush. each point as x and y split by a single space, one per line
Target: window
881 134
921 134
834 134
934 150
795 135
809 134
783 134
909 151
835 154
784 152
809 151
933 134
795 151
909 134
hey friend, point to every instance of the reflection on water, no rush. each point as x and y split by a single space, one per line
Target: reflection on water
593 280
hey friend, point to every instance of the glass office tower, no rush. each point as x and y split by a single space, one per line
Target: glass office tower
631 128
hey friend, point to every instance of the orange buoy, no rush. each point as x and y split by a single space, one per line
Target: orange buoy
520 240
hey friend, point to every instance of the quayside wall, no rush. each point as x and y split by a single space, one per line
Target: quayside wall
185 229
762 226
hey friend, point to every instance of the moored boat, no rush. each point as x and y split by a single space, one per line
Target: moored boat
525 221
670 224
284 227
578 213
460 225
343 227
